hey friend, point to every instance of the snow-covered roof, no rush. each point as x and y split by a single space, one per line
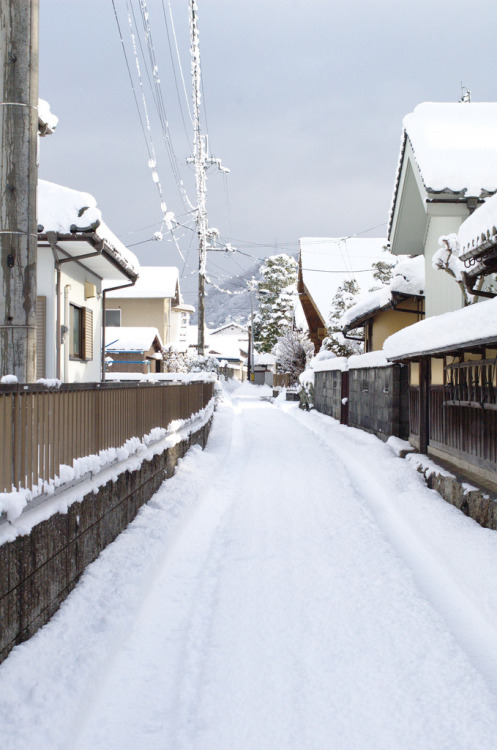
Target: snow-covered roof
227 346
479 227
328 262
454 145
264 359
473 325
153 282
408 279
182 307
224 329
47 121
74 216
130 339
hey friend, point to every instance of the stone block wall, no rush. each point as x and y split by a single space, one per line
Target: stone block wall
328 392
378 399
38 570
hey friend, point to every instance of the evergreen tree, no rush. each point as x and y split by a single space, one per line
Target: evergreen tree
335 341
383 273
277 291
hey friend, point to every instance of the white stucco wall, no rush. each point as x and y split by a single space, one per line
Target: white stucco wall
442 293
179 330
45 287
74 276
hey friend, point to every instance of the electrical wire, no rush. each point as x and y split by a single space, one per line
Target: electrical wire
173 66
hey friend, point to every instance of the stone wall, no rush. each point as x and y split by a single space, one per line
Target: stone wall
378 399
328 392
38 570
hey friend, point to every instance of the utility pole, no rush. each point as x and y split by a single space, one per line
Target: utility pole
18 183
252 286
201 162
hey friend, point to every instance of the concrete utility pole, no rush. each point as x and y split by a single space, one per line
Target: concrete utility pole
18 182
202 162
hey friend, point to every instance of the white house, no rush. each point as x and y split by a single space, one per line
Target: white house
447 167
76 252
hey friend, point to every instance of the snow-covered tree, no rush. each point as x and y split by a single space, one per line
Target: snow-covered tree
447 259
293 351
383 272
335 341
277 291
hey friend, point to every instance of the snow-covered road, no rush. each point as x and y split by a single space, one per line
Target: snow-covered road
294 586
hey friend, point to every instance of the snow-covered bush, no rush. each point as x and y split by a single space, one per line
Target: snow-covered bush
293 350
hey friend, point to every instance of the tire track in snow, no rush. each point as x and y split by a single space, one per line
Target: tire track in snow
475 631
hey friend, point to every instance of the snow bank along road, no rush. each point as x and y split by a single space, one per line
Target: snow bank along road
294 586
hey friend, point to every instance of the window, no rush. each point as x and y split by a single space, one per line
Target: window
113 318
80 332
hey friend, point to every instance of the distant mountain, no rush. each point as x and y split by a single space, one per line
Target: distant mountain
221 307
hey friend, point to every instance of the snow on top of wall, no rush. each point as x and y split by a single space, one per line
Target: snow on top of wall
130 339
475 323
408 278
153 282
60 208
370 359
159 377
327 365
454 145
480 226
47 121
328 262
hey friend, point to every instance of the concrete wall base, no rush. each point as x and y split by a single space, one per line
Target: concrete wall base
39 570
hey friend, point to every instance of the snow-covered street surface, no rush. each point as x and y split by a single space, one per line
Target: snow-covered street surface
294 586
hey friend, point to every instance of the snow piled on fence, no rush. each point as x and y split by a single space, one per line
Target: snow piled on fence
24 508
159 377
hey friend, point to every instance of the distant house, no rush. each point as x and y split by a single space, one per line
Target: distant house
229 344
447 167
76 252
396 305
324 264
133 349
154 301
264 369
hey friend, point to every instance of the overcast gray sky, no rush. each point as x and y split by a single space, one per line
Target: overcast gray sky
304 102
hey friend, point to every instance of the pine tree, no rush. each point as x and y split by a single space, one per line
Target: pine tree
383 273
277 292
335 341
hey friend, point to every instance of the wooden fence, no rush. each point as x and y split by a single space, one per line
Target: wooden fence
42 429
462 414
